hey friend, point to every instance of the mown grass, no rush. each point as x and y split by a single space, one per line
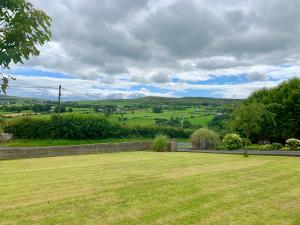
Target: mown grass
60 142
151 188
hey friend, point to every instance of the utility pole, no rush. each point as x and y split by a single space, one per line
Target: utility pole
58 107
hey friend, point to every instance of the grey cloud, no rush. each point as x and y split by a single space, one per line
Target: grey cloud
111 37
255 76
160 78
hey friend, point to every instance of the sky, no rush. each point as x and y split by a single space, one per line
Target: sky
172 48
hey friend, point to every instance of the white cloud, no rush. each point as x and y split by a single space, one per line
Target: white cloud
116 44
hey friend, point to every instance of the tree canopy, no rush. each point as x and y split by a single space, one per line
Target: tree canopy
22 29
270 114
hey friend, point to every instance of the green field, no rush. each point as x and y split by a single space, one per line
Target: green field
147 117
151 188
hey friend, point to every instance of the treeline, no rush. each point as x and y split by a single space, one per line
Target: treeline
34 108
270 115
84 126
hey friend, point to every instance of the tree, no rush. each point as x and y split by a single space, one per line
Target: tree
253 120
157 109
22 29
284 102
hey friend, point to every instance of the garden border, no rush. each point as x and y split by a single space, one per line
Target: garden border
249 152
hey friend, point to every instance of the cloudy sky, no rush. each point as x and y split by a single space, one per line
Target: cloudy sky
135 48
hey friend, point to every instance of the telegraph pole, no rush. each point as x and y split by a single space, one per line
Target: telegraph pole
58 107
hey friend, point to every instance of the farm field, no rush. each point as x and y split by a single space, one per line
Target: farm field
138 117
147 117
150 188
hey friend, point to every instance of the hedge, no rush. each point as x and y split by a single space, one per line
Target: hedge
84 126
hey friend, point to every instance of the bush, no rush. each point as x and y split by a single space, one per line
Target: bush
267 147
232 142
246 141
207 137
252 147
161 143
293 143
276 146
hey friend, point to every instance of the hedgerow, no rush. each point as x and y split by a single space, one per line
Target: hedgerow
84 126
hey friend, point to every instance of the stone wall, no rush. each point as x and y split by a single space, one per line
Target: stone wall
17 153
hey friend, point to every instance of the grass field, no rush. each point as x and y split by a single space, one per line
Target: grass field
147 117
151 188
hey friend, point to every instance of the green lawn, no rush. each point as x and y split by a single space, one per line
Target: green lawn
151 188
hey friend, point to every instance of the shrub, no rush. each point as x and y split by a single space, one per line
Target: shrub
232 142
276 146
293 143
267 147
205 136
246 141
161 143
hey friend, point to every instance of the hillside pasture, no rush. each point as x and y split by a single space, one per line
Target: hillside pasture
147 117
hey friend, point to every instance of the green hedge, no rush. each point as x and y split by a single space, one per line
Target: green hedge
84 126
31 128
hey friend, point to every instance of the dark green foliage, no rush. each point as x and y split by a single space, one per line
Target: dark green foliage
41 108
219 124
29 127
174 122
63 109
81 126
22 28
246 141
277 146
152 131
271 114
157 109
84 126
187 124
253 120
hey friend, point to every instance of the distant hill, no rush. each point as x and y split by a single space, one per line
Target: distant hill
4 99
150 100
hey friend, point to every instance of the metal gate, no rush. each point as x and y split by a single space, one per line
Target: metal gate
183 146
